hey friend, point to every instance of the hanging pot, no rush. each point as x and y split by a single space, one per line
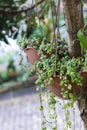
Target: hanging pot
56 88
32 55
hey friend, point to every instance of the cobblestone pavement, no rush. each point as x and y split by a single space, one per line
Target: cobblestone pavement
19 111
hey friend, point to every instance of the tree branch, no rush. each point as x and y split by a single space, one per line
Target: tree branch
11 12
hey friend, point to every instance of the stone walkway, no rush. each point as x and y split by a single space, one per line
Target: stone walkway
19 111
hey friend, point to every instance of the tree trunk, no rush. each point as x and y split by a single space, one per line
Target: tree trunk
82 104
74 21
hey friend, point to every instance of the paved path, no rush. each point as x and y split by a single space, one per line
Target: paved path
19 111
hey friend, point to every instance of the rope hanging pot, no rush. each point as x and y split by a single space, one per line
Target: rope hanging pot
56 88
33 56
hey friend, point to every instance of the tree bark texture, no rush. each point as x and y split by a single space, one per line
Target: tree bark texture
73 13
82 104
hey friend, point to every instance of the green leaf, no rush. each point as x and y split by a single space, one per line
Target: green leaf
4 75
83 39
41 108
69 86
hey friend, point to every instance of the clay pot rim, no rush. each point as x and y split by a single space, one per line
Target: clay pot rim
56 88
29 47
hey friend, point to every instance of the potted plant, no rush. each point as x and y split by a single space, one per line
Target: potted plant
63 70
30 47
63 75
55 60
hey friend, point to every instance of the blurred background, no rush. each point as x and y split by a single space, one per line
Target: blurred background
19 101
18 97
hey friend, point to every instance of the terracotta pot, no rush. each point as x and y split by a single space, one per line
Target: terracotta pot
56 88
32 55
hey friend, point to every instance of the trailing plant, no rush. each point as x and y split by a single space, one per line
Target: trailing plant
51 117
67 68
34 39
59 60
24 42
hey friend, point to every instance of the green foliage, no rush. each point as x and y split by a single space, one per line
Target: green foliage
9 21
82 38
46 46
31 42
67 68
4 75
15 23
37 38
51 65
23 43
11 65
31 24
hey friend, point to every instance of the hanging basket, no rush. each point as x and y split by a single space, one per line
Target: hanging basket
56 88
32 55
